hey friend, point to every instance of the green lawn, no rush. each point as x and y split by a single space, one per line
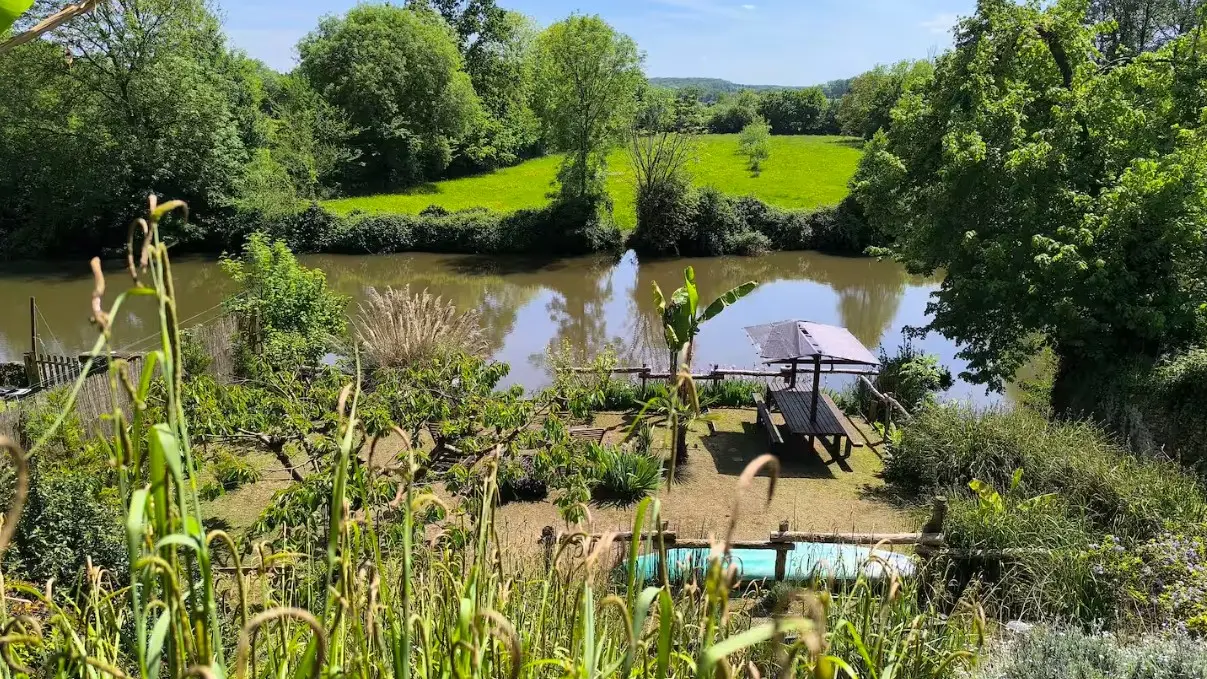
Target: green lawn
803 172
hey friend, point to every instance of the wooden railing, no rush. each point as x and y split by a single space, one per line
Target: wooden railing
928 540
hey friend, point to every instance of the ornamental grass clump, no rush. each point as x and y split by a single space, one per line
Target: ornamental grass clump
399 328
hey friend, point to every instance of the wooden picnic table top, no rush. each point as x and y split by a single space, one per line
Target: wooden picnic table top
795 404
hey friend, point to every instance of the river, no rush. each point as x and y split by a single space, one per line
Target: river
528 306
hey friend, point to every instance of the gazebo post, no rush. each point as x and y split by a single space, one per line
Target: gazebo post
816 385
792 376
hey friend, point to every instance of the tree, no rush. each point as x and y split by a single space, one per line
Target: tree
866 106
755 144
1062 200
734 113
495 46
396 75
287 314
136 96
793 111
587 78
1140 25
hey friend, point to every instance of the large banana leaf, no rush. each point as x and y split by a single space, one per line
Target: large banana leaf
10 10
718 305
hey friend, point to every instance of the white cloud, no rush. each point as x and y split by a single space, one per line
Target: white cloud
940 24
748 7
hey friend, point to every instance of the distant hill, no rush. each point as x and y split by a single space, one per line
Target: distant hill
713 88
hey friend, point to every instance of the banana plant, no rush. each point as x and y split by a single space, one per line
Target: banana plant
681 321
681 317
11 10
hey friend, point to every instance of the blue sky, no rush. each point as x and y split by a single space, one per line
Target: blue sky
781 42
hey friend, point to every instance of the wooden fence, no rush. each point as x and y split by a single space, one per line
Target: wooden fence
48 370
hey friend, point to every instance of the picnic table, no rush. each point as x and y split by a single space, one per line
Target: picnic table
830 425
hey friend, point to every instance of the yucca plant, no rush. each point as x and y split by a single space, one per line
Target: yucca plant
399 328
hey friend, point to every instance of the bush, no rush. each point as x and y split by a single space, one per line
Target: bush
623 477
1162 582
707 223
560 228
519 481
754 142
1074 654
731 393
287 315
70 517
946 447
910 376
231 471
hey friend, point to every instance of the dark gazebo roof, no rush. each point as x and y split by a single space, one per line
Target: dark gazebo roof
790 341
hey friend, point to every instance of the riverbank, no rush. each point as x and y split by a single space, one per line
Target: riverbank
804 172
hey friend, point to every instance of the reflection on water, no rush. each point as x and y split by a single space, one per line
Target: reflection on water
529 306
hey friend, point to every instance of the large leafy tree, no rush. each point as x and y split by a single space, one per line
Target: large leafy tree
871 96
136 96
587 79
397 76
1133 26
798 111
495 44
1065 201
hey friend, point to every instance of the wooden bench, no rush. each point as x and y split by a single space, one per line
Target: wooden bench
445 454
595 434
854 438
774 437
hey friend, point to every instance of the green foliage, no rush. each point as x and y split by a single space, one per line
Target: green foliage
622 476
682 316
1160 582
232 471
10 11
149 97
867 106
910 376
1075 654
1172 399
796 111
946 447
734 114
755 143
70 517
397 76
586 81
288 315
1051 192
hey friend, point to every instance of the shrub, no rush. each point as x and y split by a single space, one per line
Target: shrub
731 393
231 471
754 142
519 481
397 329
69 517
287 314
910 376
1075 654
1162 582
946 447
622 476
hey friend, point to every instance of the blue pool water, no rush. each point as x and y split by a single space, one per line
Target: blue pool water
806 561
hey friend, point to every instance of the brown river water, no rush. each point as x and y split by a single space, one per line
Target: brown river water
528 306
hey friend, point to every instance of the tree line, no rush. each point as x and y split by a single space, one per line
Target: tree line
148 95
1053 165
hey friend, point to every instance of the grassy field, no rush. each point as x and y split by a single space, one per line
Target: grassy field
803 172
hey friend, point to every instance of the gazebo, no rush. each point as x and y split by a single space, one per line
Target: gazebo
807 412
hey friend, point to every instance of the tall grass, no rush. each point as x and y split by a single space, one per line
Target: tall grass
946 447
366 592
399 328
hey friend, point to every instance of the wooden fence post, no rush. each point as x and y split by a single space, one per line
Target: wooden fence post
781 555
547 540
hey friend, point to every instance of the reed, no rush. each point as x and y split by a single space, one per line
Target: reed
399 328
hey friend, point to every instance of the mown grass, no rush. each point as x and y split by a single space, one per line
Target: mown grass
803 172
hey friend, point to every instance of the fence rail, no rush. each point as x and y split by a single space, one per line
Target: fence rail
928 541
